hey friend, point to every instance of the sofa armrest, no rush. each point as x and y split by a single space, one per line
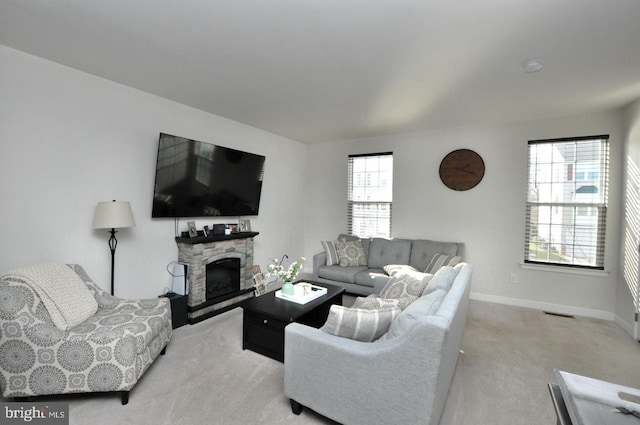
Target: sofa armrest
323 372
319 259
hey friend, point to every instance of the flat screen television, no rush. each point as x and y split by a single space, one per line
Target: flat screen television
198 179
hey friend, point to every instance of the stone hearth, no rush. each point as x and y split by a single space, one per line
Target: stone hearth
200 251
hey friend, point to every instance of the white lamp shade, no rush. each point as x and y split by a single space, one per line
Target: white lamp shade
113 215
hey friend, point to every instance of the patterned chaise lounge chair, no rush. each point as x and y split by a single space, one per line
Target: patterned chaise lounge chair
52 342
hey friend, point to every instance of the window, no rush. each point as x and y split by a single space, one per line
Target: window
567 201
370 193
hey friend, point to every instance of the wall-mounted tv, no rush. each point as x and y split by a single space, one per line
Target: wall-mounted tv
198 179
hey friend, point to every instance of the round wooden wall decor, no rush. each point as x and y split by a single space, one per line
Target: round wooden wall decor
462 169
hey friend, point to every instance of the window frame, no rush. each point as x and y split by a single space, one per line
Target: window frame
381 209
577 172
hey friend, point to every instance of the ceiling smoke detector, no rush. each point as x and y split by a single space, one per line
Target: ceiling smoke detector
533 65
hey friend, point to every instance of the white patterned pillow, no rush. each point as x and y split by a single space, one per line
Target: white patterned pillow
373 302
359 324
350 253
392 269
405 287
441 260
330 250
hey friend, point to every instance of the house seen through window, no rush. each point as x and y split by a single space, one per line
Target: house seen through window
567 201
370 194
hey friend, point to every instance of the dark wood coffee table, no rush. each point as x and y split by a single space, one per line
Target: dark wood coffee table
266 316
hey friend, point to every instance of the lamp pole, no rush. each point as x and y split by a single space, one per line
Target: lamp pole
113 243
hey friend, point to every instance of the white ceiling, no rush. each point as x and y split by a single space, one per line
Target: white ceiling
317 70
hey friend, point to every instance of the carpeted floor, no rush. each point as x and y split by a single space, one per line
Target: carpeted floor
509 357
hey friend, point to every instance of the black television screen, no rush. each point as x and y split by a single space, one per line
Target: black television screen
198 179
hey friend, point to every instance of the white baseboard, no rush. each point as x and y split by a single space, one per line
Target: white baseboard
552 308
626 326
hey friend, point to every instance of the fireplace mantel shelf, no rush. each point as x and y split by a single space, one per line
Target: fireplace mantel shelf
216 238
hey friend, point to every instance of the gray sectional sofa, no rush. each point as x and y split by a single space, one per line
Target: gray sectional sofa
378 252
401 378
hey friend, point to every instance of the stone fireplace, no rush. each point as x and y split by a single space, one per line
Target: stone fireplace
220 272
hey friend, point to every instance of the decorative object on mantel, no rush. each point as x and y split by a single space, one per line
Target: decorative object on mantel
113 215
193 232
275 268
245 225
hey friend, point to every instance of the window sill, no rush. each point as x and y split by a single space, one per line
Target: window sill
567 270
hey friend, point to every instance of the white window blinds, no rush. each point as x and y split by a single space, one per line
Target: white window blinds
370 194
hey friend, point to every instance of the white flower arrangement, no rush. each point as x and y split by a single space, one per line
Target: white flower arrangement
275 268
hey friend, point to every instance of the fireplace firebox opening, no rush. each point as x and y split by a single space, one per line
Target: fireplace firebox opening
223 278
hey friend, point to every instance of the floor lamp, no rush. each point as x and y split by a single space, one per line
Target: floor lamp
113 215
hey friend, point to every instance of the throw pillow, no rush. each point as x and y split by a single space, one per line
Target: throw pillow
392 269
373 302
350 253
443 279
330 250
359 324
405 288
423 306
441 260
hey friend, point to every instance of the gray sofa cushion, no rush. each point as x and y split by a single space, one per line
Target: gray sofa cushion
423 250
339 273
388 251
369 277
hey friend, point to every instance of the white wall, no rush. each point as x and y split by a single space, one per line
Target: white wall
630 232
69 140
488 219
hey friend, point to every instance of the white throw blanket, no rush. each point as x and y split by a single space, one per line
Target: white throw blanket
66 297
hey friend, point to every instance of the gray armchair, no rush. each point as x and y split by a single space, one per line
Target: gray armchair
109 351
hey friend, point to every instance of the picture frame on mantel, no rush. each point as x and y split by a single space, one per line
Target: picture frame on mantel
193 232
245 226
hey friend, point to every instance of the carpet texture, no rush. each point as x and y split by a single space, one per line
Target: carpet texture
501 378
